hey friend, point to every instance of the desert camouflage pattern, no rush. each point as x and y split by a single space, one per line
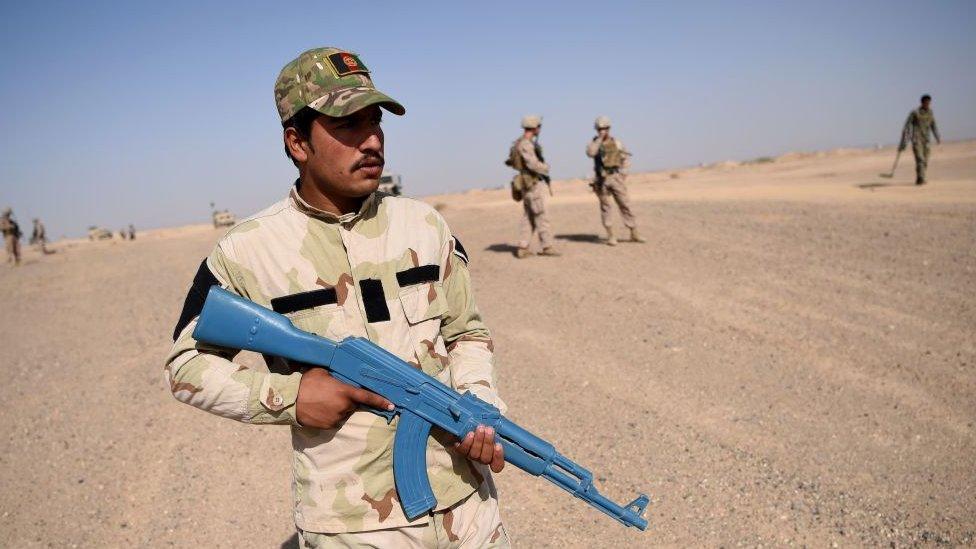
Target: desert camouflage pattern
531 121
473 523
534 220
611 184
11 238
343 478
314 80
919 124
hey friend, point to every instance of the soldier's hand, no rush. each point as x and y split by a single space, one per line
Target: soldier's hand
479 445
324 402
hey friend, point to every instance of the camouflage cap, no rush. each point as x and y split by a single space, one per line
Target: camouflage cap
531 121
602 122
332 81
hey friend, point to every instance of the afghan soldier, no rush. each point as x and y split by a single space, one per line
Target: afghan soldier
11 236
610 163
531 185
920 122
341 259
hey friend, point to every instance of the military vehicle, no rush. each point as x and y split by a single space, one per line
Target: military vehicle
98 233
222 218
390 183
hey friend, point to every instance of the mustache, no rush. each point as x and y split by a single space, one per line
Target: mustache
369 159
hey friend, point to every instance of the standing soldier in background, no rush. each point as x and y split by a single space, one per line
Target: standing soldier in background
920 122
39 236
11 236
526 157
610 161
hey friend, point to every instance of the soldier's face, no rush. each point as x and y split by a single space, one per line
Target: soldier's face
926 103
345 155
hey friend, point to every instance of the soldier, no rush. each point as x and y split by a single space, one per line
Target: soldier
340 259
11 236
525 156
132 232
610 163
39 236
920 122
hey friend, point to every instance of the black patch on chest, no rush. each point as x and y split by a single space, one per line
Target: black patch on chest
193 303
418 275
374 300
304 300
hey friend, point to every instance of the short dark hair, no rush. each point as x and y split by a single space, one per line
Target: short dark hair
926 97
302 122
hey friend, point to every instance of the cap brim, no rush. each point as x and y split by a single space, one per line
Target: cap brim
345 102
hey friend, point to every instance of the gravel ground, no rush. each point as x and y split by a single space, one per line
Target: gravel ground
788 360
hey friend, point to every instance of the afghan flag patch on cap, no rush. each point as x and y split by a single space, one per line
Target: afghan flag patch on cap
344 63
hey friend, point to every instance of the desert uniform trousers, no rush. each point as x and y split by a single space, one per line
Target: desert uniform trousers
12 244
921 150
534 216
471 523
615 187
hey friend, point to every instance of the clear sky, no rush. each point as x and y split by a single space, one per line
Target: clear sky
145 112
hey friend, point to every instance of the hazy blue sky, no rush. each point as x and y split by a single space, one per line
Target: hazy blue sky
145 112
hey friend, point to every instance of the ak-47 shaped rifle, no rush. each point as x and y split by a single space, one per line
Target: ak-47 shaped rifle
420 401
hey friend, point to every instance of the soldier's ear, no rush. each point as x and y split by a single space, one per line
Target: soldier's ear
296 145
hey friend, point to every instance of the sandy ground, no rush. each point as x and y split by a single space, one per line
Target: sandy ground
789 360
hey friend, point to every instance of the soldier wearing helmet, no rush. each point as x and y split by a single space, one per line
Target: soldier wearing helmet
610 162
525 156
341 259
11 236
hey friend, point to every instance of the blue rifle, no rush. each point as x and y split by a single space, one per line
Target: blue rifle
420 401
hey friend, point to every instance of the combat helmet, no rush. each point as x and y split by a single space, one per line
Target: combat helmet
531 121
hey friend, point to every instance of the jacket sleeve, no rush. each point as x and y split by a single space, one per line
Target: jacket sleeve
935 130
468 340
626 154
205 377
593 147
531 161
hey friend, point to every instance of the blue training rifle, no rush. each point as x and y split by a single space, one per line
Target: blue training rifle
420 401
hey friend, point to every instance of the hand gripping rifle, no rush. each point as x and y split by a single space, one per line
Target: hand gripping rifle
420 401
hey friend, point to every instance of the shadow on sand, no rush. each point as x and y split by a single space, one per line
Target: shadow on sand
291 543
502 248
880 184
580 237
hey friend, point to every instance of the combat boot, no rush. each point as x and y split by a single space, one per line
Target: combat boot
522 253
611 240
550 251
636 237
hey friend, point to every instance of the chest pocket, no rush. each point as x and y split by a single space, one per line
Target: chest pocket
421 293
316 312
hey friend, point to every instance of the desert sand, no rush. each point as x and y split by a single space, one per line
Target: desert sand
790 359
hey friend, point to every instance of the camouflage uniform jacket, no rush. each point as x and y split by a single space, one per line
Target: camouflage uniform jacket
917 127
594 150
391 272
8 226
531 165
